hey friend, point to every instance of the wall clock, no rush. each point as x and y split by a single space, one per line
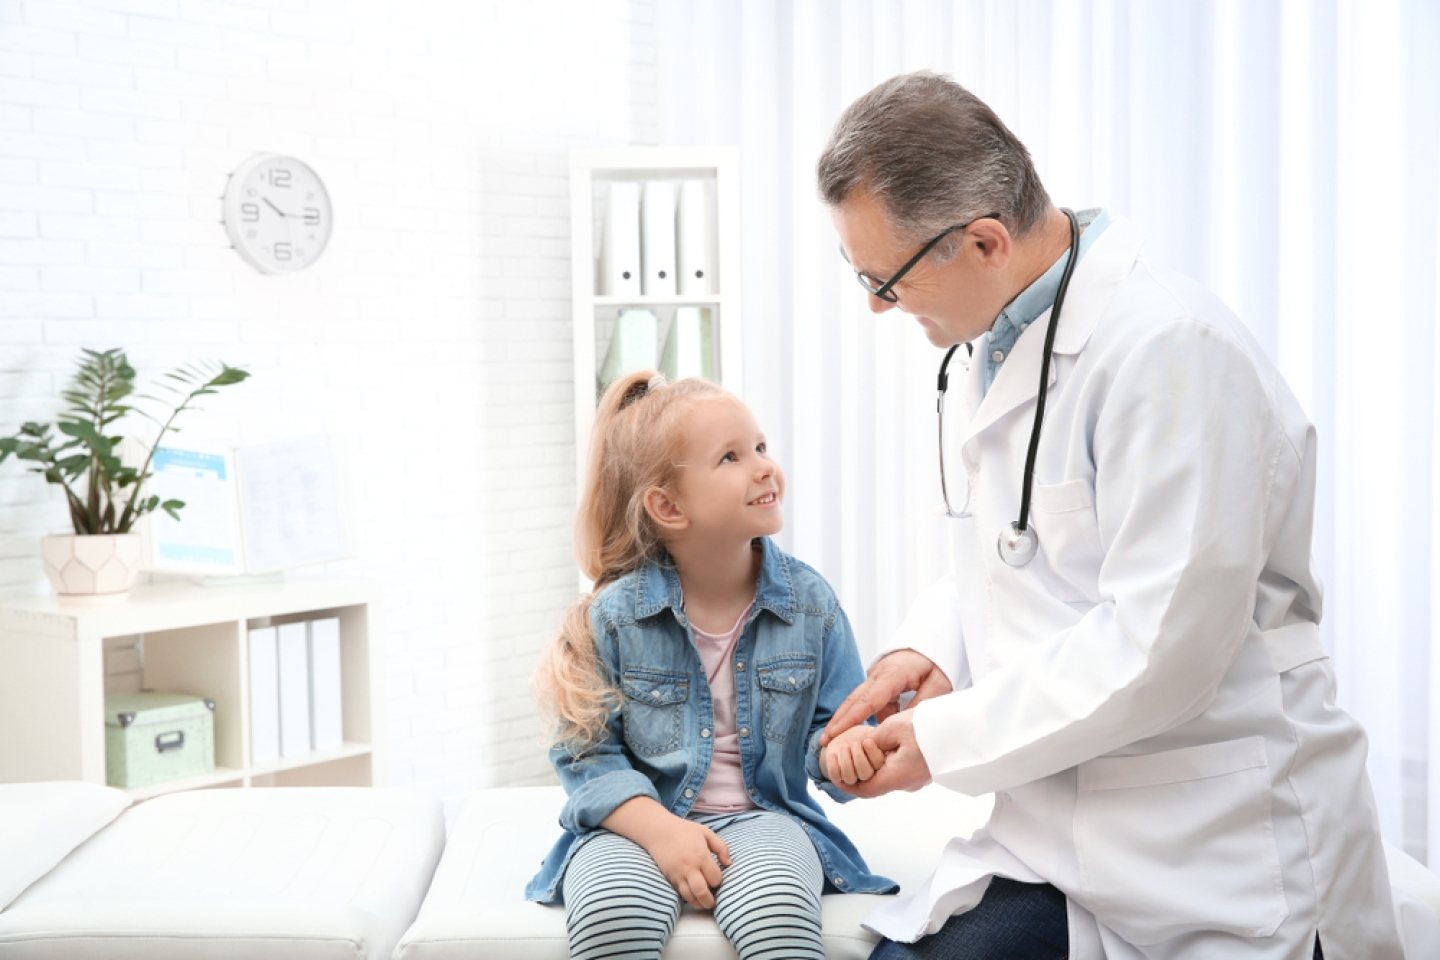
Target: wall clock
277 213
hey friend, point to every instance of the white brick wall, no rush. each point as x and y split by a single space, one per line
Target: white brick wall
435 330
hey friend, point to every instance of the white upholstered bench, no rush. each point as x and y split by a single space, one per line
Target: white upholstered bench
476 906
283 874
331 872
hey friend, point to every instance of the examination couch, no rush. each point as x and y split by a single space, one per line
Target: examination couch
308 873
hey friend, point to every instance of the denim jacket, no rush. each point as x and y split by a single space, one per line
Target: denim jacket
794 663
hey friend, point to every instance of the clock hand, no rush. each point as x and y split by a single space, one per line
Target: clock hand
275 208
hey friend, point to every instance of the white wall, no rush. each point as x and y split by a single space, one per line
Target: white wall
435 330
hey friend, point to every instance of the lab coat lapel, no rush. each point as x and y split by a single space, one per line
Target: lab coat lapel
1096 279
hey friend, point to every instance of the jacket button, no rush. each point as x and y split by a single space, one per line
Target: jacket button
739 664
839 881
744 731
689 793
705 734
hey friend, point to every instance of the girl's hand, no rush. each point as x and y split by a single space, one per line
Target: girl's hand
853 756
686 853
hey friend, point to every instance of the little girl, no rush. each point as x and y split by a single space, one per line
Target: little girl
689 692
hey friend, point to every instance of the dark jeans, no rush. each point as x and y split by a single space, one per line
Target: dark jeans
1013 921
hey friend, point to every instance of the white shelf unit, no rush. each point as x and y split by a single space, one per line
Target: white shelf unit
590 168
52 683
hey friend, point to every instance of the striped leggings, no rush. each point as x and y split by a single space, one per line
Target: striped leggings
618 903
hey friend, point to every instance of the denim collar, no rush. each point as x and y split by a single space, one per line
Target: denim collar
658 587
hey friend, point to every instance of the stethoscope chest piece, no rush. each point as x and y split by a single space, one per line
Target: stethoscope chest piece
1018 547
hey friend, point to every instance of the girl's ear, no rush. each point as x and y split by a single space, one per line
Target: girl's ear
665 510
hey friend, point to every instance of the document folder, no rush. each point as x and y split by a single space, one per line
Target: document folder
264 696
657 238
695 238
294 690
620 242
325 703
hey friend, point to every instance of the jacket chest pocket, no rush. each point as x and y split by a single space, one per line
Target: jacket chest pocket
784 682
654 710
1068 567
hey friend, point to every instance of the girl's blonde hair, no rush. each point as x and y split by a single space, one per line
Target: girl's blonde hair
635 444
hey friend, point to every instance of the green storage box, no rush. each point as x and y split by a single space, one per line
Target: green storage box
152 736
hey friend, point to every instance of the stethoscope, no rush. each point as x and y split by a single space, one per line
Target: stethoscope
1017 543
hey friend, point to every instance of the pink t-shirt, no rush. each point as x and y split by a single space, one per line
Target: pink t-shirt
724 789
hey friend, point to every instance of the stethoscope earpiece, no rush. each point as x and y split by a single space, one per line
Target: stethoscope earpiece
1018 542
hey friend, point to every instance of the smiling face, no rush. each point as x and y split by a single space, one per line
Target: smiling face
954 301
728 486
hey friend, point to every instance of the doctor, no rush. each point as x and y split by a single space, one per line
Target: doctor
1126 651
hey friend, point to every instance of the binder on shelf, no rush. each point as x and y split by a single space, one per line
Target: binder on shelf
325 704
690 347
695 238
657 238
294 659
634 345
264 696
620 241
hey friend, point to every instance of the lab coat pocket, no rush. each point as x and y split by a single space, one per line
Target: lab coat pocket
1068 566
1182 841
654 709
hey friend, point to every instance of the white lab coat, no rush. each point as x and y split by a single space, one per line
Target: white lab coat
1149 699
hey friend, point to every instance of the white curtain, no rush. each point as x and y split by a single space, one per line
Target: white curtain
1286 153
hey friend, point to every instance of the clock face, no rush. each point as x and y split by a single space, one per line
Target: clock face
277 213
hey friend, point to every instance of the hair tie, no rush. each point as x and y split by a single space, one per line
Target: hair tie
640 390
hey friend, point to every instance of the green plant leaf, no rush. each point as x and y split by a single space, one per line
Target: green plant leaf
82 454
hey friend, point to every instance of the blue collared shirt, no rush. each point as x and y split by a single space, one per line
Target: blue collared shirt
1035 299
795 662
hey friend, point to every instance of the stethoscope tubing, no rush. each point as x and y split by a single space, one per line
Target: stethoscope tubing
1027 485
1023 543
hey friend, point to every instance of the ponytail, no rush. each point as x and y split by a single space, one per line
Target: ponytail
635 445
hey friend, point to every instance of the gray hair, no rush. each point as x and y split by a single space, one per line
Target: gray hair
934 155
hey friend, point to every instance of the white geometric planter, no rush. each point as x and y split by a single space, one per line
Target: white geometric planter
93 569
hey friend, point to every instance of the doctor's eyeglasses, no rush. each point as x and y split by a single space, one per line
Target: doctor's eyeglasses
882 290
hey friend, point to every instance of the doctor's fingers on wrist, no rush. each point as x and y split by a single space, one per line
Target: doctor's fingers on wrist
933 684
896 733
862 703
887 711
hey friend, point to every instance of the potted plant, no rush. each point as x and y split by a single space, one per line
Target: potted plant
105 495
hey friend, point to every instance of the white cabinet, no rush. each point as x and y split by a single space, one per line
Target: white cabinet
592 171
195 640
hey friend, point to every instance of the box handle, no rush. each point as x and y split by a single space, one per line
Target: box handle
173 740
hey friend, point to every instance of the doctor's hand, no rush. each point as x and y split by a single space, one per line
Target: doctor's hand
900 672
905 767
